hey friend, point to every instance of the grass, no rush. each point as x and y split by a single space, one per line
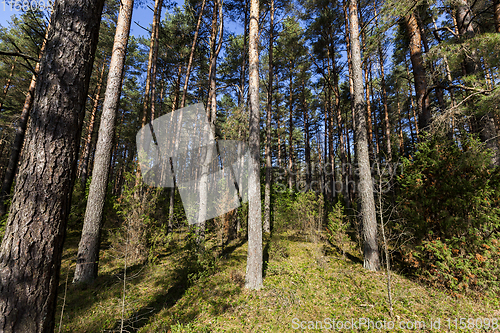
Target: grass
181 292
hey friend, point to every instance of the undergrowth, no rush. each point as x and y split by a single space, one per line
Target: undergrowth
184 291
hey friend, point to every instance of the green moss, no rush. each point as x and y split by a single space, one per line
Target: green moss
306 284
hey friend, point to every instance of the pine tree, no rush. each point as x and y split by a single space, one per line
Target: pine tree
253 279
267 191
88 248
365 185
30 256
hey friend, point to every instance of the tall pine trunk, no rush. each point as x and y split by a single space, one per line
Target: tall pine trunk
365 185
291 155
307 138
31 251
88 249
419 74
267 190
367 68
253 278
209 152
413 107
243 58
146 103
387 123
191 55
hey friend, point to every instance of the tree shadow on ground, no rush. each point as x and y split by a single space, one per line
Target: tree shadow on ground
182 276
78 299
335 249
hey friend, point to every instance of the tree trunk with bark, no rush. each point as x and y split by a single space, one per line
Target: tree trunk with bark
367 68
387 123
330 160
291 156
31 251
365 185
253 278
152 57
412 103
307 138
88 249
191 55
267 191
419 74
215 48
243 58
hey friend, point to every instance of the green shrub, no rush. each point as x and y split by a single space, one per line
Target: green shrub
136 207
284 214
298 211
449 202
307 206
337 227
452 264
199 264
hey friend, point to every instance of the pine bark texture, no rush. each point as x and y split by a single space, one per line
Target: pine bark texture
31 250
365 185
88 248
253 278
417 62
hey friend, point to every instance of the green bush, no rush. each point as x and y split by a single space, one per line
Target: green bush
308 206
298 211
199 264
337 227
452 264
284 214
136 234
449 202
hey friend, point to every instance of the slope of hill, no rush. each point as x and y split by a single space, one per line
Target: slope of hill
307 286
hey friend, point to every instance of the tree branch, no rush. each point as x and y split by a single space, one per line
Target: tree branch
18 54
459 86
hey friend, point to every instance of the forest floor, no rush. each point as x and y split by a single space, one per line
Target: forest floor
306 283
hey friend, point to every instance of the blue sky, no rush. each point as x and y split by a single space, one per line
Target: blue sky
142 15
